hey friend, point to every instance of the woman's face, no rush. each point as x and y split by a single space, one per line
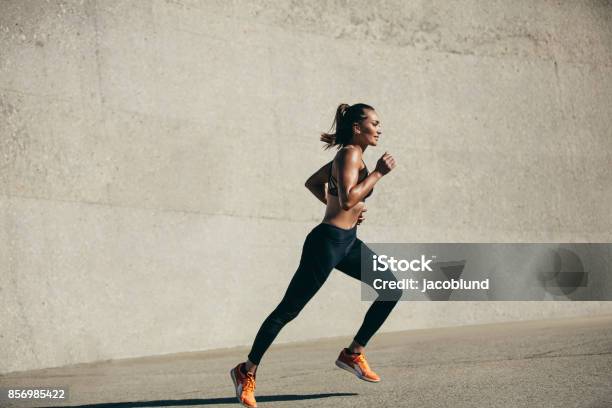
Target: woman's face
370 128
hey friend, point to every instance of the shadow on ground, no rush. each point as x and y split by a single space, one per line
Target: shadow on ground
208 401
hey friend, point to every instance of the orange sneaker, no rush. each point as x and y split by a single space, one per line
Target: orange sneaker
245 386
356 364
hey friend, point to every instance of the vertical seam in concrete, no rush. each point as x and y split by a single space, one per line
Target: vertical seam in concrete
559 101
97 54
156 53
101 115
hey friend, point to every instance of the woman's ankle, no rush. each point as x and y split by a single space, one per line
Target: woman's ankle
250 367
356 348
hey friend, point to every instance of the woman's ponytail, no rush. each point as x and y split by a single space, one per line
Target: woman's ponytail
346 115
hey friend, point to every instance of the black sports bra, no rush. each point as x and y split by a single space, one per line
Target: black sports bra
332 186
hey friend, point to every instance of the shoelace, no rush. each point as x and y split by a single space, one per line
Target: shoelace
249 383
362 361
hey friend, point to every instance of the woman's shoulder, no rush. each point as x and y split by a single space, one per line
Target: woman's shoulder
349 153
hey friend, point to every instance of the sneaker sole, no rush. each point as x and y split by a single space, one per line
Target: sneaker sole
236 388
351 370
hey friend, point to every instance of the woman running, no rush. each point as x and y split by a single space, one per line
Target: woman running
332 244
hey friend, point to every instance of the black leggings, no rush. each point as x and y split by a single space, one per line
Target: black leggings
326 247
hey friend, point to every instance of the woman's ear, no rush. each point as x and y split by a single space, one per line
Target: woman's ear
356 128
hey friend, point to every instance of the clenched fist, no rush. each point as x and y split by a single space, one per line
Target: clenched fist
385 164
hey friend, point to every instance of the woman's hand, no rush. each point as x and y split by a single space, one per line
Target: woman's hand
361 216
316 182
385 164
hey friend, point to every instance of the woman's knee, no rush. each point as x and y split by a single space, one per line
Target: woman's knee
285 313
390 295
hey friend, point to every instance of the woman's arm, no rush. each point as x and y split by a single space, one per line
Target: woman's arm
349 192
316 182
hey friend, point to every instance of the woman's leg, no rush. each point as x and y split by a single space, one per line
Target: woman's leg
382 306
319 256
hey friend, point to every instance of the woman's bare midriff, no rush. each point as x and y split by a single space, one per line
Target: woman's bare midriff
336 216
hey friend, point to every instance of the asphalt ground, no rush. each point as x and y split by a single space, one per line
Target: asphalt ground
547 363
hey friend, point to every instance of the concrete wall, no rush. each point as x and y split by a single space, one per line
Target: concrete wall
153 155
